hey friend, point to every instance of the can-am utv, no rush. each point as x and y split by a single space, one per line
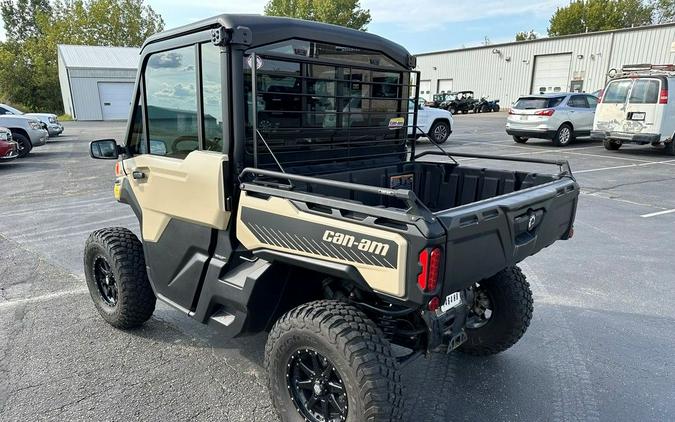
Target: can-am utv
267 163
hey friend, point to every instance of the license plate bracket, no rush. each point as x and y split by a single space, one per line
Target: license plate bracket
452 300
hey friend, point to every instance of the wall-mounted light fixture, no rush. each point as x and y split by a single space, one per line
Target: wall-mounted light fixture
526 61
435 68
507 58
496 51
580 56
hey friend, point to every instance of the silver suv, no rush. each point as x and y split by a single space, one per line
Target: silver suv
560 117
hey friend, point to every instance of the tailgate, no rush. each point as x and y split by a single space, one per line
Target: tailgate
487 236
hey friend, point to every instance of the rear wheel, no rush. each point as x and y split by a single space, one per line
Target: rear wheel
439 132
500 313
114 268
564 136
670 148
326 361
611 145
495 108
23 143
452 110
520 139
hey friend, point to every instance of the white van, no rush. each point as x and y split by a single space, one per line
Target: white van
638 106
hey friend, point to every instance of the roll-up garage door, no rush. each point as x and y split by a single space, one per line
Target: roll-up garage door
115 99
551 73
425 89
444 85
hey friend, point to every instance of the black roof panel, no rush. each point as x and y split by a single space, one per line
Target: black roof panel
269 29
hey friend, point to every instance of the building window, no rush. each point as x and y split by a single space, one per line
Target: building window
170 80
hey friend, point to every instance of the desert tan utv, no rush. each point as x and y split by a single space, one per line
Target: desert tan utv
267 161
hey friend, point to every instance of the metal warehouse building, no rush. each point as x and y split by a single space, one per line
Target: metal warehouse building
97 83
567 63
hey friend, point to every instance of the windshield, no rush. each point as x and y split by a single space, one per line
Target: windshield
533 103
12 109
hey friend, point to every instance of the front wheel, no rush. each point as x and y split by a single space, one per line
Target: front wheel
114 268
439 132
670 148
520 139
326 361
500 313
496 108
23 143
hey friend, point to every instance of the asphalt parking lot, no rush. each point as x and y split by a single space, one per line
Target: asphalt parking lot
600 346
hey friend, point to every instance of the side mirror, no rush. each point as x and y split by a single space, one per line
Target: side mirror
104 149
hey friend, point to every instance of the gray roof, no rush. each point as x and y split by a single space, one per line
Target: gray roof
99 57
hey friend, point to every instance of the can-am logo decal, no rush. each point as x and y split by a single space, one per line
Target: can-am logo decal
350 241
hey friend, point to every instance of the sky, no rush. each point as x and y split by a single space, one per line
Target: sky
419 25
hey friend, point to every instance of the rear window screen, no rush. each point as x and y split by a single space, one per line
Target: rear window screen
538 102
617 92
645 91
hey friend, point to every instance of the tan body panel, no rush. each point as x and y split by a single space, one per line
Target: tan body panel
189 189
389 281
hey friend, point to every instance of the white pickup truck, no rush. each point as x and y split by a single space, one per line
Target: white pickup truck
435 122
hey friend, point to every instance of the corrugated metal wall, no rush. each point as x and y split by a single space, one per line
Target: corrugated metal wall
84 88
504 71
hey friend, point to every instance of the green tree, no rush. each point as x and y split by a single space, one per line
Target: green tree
526 35
664 11
339 12
599 15
28 58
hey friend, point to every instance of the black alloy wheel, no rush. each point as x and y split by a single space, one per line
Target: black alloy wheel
481 309
105 281
316 388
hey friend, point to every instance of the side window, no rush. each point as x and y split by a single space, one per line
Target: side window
170 79
645 91
617 92
577 101
4 111
136 144
592 101
212 98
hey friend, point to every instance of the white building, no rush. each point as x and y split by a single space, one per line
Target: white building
568 63
97 83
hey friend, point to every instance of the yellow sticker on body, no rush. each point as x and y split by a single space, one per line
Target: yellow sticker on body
396 122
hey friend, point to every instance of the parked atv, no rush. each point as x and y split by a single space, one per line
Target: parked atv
484 105
460 102
438 99
324 230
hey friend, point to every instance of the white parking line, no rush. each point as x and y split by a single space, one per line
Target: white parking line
623 167
45 297
654 214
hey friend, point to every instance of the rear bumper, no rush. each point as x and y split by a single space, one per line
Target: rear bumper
532 133
635 138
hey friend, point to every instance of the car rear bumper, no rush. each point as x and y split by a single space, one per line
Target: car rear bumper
635 138
531 133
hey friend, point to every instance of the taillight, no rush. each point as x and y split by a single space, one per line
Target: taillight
118 168
548 112
430 261
663 98
511 111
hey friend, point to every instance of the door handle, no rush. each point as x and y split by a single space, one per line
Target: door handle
138 175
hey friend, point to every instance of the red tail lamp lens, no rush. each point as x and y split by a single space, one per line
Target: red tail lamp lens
430 262
118 168
663 98
548 112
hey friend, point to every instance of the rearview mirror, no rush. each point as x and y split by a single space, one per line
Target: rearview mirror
104 149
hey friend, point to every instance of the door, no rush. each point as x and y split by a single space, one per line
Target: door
580 114
551 73
115 99
611 113
178 187
422 117
425 89
444 85
644 110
